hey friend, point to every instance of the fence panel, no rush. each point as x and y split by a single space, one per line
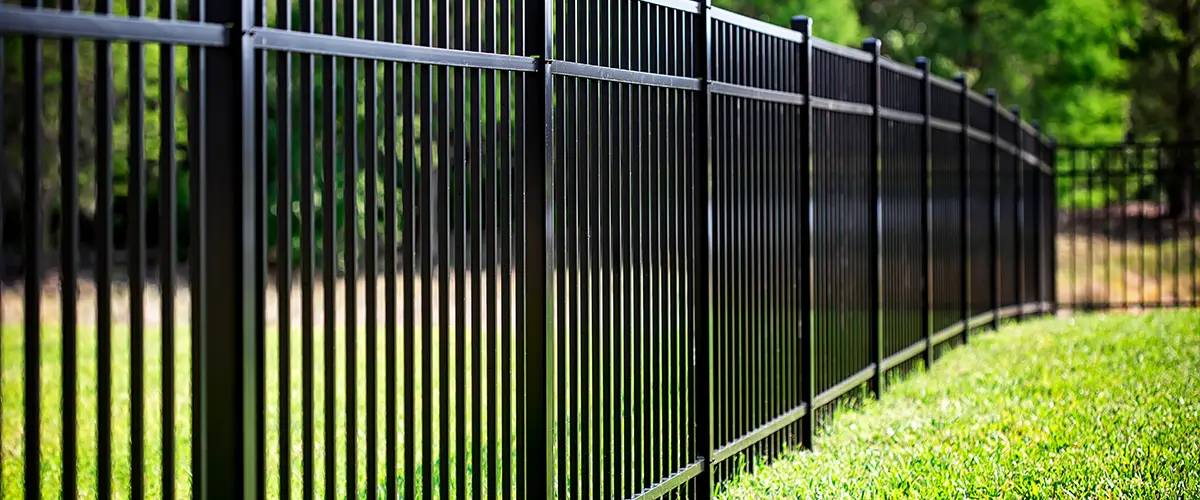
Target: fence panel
1032 201
756 170
949 203
409 208
981 183
1007 236
1048 156
1127 236
740 225
103 342
842 226
624 334
948 227
624 328
901 207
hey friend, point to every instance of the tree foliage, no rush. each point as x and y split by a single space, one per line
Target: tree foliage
1061 67
833 20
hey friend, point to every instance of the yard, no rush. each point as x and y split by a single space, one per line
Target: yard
1092 406
1095 406
1093 269
12 397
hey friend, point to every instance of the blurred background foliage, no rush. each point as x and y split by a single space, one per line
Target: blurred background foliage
1088 70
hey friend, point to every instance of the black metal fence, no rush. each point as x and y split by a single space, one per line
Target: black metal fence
1129 229
518 249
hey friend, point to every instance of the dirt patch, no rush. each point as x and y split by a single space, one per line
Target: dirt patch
1141 222
12 302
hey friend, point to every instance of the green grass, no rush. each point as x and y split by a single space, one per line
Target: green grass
11 414
1098 406
1095 407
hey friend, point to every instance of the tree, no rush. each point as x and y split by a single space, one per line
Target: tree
1063 68
833 20
1163 82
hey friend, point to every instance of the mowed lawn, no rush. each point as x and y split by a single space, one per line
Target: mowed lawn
1095 406
12 418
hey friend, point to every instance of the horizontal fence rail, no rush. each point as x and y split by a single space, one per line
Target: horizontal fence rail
567 248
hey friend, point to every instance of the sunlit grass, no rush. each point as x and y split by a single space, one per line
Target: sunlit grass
88 412
11 422
51 393
1099 406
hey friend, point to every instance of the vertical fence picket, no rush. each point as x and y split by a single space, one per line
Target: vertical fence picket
104 260
1039 223
3 261
927 282
994 205
1019 210
32 95
69 159
259 210
964 202
135 241
1052 156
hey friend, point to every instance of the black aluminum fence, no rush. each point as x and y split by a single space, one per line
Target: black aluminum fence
1129 227
518 249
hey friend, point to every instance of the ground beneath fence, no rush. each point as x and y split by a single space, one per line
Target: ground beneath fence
1093 406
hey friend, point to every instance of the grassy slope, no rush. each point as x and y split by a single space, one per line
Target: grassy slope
1093 407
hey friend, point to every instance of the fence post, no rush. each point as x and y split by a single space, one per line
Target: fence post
994 197
874 332
803 24
540 336
1019 139
964 160
702 194
1052 249
227 245
926 211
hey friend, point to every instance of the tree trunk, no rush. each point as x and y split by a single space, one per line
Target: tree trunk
1179 188
970 27
1180 184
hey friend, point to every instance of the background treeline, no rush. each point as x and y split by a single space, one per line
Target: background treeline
1088 70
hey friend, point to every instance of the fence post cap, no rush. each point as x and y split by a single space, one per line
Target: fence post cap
993 94
1035 124
961 78
802 23
1015 108
872 45
922 63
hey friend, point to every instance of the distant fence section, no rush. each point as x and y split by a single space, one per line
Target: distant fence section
1129 229
562 249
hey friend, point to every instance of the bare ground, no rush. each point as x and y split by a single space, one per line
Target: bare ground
12 302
